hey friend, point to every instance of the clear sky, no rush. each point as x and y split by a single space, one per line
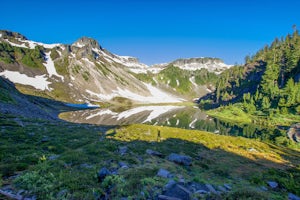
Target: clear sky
156 31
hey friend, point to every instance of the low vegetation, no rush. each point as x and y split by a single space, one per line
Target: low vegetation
61 160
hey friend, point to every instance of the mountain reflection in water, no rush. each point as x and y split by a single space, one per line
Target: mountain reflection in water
186 117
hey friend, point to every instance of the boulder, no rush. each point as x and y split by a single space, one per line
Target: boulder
180 159
123 165
170 184
294 132
293 197
164 173
272 184
103 172
211 189
154 153
227 186
164 197
178 192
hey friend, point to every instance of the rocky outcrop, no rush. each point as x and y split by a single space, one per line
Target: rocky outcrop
294 132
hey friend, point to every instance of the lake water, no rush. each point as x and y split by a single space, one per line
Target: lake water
187 117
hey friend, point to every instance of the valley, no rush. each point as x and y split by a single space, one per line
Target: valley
79 122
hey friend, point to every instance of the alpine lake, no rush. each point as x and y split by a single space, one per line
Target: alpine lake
185 117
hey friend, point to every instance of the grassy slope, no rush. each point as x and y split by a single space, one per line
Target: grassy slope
235 113
84 149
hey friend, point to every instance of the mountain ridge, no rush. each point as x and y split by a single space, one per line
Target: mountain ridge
86 72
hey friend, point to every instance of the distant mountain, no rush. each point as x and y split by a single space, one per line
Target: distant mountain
214 65
86 72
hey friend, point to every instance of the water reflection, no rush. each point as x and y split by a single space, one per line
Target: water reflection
174 116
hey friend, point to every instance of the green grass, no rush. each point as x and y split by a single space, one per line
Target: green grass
231 114
217 159
235 113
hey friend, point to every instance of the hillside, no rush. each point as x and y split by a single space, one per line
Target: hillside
44 159
266 89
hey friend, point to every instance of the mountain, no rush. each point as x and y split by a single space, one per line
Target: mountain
81 72
86 72
214 65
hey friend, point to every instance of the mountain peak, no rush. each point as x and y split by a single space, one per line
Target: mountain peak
87 41
9 34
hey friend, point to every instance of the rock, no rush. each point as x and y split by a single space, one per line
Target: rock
201 192
294 132
123 165
227 186
154 153
222 189
123 150
293 197
179 192
180 159
164 173
272 184
170 184
211 188
103 172
164 197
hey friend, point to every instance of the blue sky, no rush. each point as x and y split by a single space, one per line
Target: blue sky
157 31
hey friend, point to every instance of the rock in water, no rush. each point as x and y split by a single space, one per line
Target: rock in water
180 159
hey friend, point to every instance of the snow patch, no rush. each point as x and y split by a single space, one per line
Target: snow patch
192 124
88 61
192 80
208 90
38 82
50 67
157 95
16 45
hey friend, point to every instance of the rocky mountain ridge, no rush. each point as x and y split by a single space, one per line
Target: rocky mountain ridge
86 72
214 65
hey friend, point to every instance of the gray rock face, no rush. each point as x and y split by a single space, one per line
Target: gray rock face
180 159
103 172
294 132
